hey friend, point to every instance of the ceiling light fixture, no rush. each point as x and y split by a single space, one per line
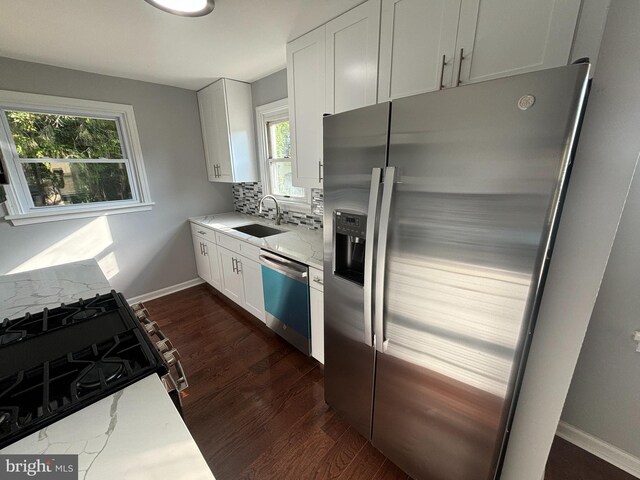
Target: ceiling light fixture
185 8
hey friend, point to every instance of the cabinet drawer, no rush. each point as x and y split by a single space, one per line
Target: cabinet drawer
316 279
250 251
228 242
202 232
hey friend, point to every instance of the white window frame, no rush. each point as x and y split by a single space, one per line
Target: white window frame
20 208
270 112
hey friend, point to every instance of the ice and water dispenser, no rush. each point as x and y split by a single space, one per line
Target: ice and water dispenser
350 239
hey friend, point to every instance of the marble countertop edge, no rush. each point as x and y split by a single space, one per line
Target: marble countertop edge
295 242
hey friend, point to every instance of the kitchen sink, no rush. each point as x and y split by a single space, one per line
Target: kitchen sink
257 230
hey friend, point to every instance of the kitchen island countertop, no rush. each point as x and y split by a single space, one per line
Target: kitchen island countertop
295 242
134 434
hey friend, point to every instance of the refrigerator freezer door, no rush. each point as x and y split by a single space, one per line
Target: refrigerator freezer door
480 172
355 149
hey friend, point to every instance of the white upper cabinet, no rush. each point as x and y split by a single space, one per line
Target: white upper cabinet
331 69
430 44
352 58
507 37
415 35
226 116
306 88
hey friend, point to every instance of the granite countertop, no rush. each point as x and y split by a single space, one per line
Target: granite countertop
49 287
296 242
134 434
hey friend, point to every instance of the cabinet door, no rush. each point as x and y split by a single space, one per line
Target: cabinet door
207 118
251 273
316 299
215 131
306 87
508 37
211 252
232 285
414 36
242 135
352 58
202 262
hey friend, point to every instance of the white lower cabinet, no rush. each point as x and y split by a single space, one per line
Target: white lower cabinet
202 261
242 281
207 261
316 299
251 274
232 285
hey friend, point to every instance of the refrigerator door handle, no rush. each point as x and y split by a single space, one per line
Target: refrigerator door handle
383 233
376 176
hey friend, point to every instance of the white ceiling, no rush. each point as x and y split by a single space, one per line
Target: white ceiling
242 39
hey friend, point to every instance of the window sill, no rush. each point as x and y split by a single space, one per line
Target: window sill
301 207
72 213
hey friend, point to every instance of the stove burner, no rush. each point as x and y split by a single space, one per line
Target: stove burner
88 313
90 379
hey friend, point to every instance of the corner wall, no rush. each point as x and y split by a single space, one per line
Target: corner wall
140 252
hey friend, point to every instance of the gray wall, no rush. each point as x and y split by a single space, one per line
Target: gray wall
604 399
152 249
270 88
605 162
266 90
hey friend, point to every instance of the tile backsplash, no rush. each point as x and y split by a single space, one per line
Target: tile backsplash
247 195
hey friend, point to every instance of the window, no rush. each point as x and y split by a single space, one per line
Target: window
70 158
275 153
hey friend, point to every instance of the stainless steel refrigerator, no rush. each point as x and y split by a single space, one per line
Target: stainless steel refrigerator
440 215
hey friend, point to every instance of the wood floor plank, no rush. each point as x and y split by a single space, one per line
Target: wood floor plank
365 465
336 461
390 471
256 408
257 433
295 450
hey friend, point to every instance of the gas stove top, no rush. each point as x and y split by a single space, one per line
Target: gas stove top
60 360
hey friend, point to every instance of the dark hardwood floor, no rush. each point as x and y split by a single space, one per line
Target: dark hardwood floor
256 408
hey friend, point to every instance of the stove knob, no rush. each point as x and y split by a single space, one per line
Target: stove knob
171 357
164 345
142 314
151 327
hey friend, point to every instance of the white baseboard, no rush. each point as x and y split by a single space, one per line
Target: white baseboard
166 291
599 448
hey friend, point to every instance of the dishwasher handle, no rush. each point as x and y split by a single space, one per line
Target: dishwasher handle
286 267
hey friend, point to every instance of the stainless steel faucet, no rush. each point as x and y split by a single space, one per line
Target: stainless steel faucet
278 214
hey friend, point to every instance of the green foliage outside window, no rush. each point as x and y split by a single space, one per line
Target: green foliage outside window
55 138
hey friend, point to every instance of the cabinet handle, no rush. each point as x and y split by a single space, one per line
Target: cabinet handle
202 232
444 63
238 266
458 81
319 171
215 170
317 279
234 265
201 249
206 250
218 168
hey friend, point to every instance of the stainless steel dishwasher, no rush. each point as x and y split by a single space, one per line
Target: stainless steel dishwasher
286 299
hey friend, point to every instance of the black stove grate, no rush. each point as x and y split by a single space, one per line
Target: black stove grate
37 395
31 325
